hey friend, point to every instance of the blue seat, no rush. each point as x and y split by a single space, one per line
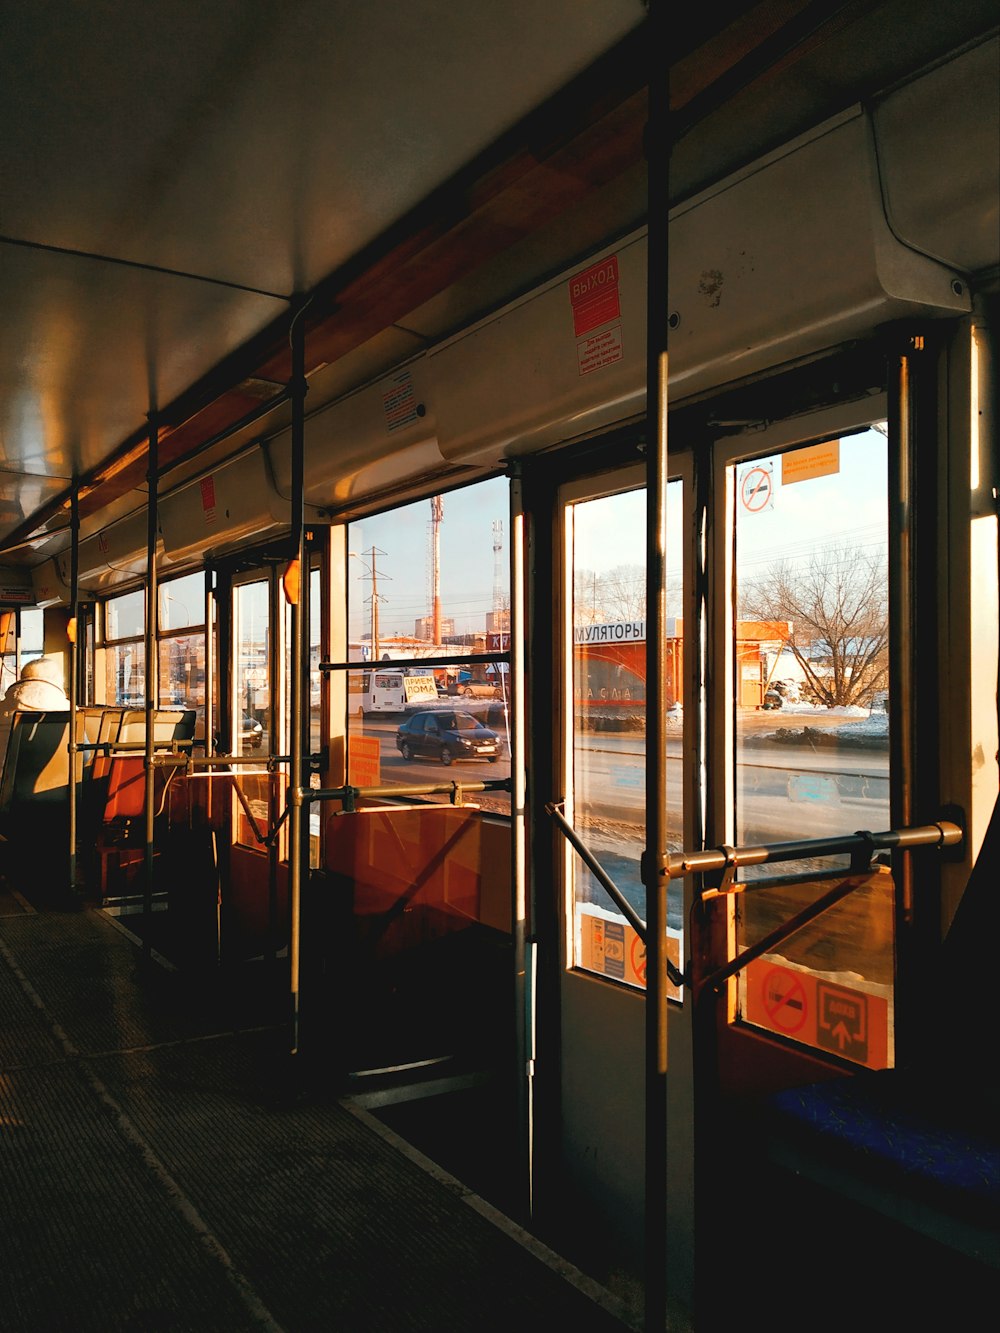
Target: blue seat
920 1146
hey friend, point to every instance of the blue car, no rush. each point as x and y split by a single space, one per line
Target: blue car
447 736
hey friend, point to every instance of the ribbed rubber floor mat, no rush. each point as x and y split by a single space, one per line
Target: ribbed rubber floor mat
151 1181
90 1237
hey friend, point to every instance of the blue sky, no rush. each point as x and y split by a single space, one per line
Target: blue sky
847 508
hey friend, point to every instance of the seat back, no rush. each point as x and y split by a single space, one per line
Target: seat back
36 765
169 724
126 779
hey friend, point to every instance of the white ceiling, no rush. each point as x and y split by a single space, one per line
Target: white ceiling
171 172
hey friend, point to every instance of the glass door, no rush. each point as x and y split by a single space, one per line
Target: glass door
602 721
606 797
805 727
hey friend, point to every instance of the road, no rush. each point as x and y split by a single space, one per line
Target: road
783 791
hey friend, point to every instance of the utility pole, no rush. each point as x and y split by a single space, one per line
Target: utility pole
374 606
498 579
373 575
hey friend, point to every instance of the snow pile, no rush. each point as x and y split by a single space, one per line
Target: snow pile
877 724
815 710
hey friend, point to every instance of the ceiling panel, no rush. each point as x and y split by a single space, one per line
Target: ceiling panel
87 346
264 144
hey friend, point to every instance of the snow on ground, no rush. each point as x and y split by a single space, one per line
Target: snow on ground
857 721
818 710
876 724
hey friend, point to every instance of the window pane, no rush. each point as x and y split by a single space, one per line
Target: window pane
32 634
251 672
8 650
125 678
182 675
811 642
811 729
182 603
314 705
609 723
125 617
431 579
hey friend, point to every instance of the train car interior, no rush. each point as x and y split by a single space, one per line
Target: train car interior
510 493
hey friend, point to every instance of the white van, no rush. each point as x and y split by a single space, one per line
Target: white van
387 691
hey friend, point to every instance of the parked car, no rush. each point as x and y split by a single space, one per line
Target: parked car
252 733
475 689
447 736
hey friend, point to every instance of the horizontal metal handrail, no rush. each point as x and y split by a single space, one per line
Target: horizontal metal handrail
404 663
858 845
269 761
351 795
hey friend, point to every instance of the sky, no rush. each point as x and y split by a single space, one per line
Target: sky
847 508
402 561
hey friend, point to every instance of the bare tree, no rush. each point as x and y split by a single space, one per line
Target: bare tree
618 594
623 591
837 604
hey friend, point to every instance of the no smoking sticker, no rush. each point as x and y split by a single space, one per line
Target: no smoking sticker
638 959
785 1001
796 1003
757 488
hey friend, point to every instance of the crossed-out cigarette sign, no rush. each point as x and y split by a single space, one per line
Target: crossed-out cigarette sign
757 488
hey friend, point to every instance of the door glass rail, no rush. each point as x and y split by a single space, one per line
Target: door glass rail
350 796
198 767
555 810
861 847
719 866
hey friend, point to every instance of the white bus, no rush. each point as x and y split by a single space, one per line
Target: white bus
387 691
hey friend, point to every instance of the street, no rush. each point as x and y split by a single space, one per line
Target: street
782 791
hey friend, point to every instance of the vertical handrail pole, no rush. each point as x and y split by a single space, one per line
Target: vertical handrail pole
275 611
655 875
901 607
74 659
210 670
303 666
523 1007
209 680
151 673
298 776
902 443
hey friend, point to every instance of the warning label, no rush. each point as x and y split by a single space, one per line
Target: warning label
785 1000
399 402
208 498
600 349
363 761
757 489
815 460
593 295
614 949
850 1023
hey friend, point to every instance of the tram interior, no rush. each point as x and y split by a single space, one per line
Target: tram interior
339 346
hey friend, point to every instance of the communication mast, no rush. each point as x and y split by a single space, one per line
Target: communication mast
437 514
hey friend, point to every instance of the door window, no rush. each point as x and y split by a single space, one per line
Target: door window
607 537
809 645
